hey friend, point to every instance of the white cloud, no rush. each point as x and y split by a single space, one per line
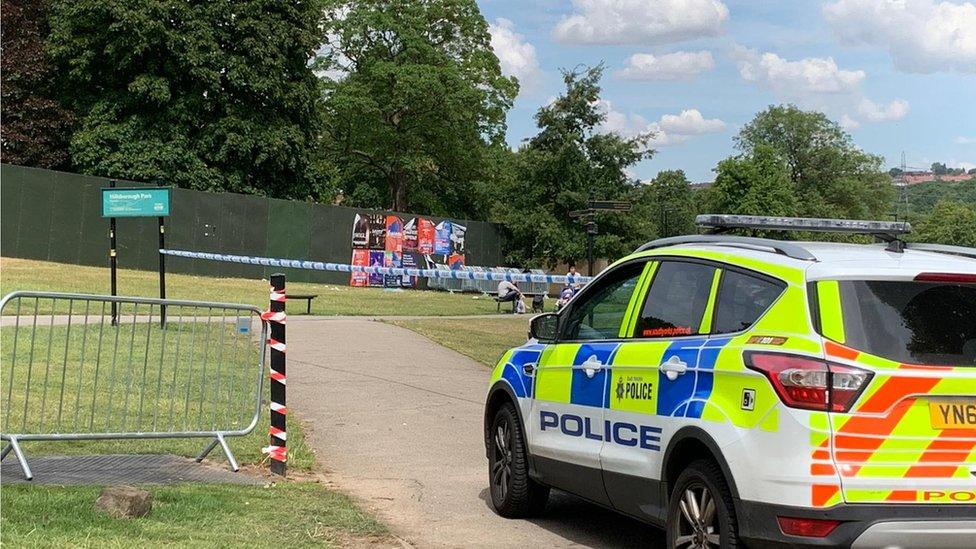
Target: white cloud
680 65
873 112
965 140
817 83
516 56
920 35
640 21
955 164
795 78
690 122
670 129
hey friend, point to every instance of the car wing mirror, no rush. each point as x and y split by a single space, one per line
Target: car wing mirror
543 327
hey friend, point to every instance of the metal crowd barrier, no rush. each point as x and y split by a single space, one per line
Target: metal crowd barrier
70 370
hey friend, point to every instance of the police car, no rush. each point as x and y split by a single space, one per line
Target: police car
750 391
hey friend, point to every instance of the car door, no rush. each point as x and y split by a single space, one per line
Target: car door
657 381
566 427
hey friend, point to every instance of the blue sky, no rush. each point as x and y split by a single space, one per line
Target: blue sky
899 75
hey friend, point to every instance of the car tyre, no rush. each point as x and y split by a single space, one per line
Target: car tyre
700 510
513 493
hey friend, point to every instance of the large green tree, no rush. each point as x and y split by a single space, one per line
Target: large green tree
569 162
670 193
415 103
36 127
830 176
949 222
208 95
755 183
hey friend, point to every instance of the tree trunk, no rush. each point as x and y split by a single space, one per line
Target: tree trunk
398 183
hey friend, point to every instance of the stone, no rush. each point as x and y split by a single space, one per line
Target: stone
124 502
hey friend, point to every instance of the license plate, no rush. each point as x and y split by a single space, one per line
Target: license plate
953 414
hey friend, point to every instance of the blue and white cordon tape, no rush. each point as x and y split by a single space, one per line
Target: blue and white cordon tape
465 274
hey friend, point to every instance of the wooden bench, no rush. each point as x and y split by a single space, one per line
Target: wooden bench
498 302
308 299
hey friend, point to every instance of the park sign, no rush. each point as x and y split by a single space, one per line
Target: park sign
135 201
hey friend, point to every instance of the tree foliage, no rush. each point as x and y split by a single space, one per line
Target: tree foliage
415 103
756 183
36 127
206 95
949 222
671 195
566 164
829 175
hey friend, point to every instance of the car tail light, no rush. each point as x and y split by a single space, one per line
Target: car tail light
808 527
958 278
810 383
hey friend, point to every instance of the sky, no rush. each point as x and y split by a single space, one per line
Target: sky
898 75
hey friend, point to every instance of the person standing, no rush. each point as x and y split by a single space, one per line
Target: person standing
572 272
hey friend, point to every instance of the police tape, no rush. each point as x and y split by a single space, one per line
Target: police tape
457 274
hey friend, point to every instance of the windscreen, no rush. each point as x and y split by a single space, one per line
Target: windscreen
912 322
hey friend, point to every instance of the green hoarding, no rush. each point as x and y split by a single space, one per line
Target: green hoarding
135 202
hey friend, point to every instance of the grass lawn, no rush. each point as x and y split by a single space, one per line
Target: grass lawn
186 515
482 339
25 274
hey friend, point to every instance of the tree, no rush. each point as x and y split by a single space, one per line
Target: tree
206 95
939 168
895 172
830 176
415 102
562 167
670 192
36 127
949 222
756 183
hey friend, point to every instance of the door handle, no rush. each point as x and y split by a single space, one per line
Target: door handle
674 367
591 366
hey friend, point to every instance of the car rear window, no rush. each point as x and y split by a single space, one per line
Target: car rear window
913 322
742 299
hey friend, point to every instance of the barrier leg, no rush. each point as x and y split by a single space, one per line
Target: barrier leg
28 474
228 453
213 444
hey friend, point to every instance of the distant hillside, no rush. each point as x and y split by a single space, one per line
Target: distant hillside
923 196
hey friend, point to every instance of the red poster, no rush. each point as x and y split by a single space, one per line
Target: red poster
360 258
425 236
394 234
456 262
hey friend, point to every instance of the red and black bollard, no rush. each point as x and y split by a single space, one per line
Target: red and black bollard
276 315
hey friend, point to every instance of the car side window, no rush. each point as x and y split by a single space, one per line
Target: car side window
676 301
741 300
598 313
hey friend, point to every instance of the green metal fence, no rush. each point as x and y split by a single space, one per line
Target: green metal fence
56 216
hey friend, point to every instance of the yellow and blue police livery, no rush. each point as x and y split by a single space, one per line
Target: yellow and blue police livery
738 390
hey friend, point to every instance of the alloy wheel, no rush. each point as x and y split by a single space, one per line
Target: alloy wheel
698 524
501 466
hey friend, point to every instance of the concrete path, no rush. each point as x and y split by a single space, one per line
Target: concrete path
396 421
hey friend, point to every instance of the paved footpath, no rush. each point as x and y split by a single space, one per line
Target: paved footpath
396 421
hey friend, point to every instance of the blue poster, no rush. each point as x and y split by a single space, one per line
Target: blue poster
442 238
376 260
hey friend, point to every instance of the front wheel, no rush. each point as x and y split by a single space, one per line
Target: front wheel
513 493
700 510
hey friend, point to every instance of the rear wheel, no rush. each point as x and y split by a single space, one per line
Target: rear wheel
513 493
700 510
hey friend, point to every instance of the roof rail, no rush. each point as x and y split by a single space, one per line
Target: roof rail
788 249
943 249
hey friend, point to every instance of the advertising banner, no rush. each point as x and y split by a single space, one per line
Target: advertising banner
394 234
410 260
377 231
410 235
360 232
376 260
425 236
457 238
392 259
361 258
456 262
442 238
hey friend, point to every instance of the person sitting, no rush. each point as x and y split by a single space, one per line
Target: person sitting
509 292
564 296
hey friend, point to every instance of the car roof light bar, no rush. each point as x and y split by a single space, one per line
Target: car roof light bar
886 230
